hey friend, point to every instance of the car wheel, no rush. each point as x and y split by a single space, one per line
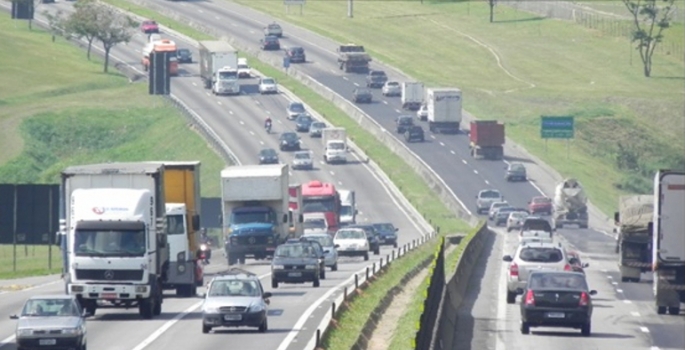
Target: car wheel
377 251
525 328
366 256
394 245
508 229
206 329
586 329
674 310
660 310
511 297
264 327
274 283
316 283
322 274
334 267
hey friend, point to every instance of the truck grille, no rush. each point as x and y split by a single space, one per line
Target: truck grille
109 275
232 309
253 240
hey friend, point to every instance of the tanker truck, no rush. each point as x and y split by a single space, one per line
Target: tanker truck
634 237
570 205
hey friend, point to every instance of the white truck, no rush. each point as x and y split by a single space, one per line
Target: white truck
113 235
219 67
668 247
634 236
412 95
255 210
444 110
315 223
244 70
335 145
348 207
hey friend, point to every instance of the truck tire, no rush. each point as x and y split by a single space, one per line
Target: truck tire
660 310
157 307
145 308
316 283
274 283
232 260
91 306
674 310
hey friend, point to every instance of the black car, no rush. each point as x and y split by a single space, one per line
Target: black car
371 235
376 79
387 233
295 262
296 54
516 171
556 299
270 42
362 96
289 141
318 251
403 123
184 56
414 133
302 122
268 156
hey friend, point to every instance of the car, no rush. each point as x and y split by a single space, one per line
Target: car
485 198
268 85
577 264
502 214
295 262
268 156
540 204
314 223
289 141
235 298
352 242
303 122
387 233
273 29
184 56
316 129
269 43
42 315
329 248
244 70
392 88
294 109
296 54
360 95
515 220
372 236
376 79
516 172
557 299
403 122
529 257
422 113
149 26
494 206
414 133
536 223
318 251
303 160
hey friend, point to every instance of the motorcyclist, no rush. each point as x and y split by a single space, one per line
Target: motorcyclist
267 124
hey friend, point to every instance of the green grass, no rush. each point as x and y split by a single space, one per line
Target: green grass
575 71
31 260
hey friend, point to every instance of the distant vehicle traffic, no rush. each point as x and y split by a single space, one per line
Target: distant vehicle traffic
362 96
392 88
530 257
268 156
330 249
540 204
485 198
316 128
387 233
296 54
516 172
268 85
303 160
295 109
273 29
184 55
289 141
414 133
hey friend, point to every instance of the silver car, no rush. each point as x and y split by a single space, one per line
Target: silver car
316 129
392 88
273 29
329 248
494 206
515 220
303 160
485 198
51 321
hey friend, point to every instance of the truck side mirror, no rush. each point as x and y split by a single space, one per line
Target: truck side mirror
356 212
196 222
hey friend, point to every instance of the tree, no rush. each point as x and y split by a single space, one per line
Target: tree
492 4
56 23
650 20
113 28
83 23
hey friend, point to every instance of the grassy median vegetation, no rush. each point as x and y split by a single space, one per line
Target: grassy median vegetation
58 109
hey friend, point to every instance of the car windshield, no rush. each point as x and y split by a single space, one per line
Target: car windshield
317 125
250 217
50 307
224 288
499 205
289 136
296 107
296 50
384 227
516 167
268 152
538 254
315 223
336 146
304 119
228 75
302 155
243 66
490 194
109 242
363 92
393 83
542 200
350 234
184 51
268 81
505 210
295 251
274 26
405 121
518 215
377 73
537 224
325 241
557 280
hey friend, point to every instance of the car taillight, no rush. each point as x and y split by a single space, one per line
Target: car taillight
530 298
514 270
584 299
568 268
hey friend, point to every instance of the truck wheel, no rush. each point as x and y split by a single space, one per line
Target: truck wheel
322 274
206 329
316 283
145 307
511 297
157 308
674 310
525 328
334 267
660 310
366 256
274 283
232 260
91 307
377 251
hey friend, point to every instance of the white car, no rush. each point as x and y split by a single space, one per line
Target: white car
485 198
392 88
294 109
268 86
494 206
422 113
329 248
515 220
314 223
244 70
533 256
303 160
352 242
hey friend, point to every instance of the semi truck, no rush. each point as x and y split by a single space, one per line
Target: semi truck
634 236
668 241
444 110
348 207
113 235
162 45
219 67
486 139
182 195
353 58
335 145
412 95
255 210
569 205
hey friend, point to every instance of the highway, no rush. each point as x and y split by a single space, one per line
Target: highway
448 156
295 310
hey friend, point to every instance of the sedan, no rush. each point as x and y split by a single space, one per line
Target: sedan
149 26
516 172
294 109
329 248
268 156
268 86
494 206
303 122
540 205
422 113
184 56
403 123
414 133
392 88
316 129
289 141
270 42
362 96
502 214
296 54
515 220
303 160
41 315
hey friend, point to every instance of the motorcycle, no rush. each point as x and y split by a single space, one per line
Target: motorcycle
205 253
267 126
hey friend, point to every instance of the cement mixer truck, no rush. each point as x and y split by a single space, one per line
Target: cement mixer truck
634 236
570 205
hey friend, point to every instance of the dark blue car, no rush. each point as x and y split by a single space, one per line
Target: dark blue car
387 233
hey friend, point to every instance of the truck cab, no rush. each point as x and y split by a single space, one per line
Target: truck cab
226 82
252 231
348 207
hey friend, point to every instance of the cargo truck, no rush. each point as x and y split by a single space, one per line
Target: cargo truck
335 145
486 139
114 236
634 236
353 58
569 205
295 210
348 207
255 209
668 241
412 95
219 67
444 110
160 46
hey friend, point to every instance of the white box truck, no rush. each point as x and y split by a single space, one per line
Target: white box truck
335 145
412 95
113 235
444 110
219 67
255 208
348 207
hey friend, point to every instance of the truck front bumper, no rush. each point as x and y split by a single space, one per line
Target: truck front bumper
109 291
251 250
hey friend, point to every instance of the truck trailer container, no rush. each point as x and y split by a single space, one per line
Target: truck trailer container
486 139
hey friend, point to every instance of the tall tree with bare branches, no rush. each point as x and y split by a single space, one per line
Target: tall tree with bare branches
650 19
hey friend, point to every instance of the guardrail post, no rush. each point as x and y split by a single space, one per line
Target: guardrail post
373 268
356 281
380 264
318 338
387 260
333 310
367 273
345 292
393 255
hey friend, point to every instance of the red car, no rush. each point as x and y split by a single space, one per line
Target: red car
540 205
149 26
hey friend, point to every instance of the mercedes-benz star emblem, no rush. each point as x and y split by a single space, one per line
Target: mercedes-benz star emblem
556 296
109 274
252 240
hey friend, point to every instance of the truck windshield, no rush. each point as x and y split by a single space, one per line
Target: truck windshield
315 223
251 217
228 75
174 225
318 204
346 210
109 243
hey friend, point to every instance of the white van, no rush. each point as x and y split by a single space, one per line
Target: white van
348 207
314 223
244 70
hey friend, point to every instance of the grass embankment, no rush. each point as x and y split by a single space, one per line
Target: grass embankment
522 67
58 109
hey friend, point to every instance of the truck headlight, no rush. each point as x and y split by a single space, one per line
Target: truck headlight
277 267
141 289
77 289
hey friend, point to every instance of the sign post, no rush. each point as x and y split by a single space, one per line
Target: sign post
286 64
289 3
562 127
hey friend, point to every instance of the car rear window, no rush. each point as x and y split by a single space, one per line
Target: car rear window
558 280
544 255
489 194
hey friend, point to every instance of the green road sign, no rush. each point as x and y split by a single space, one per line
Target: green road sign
556 127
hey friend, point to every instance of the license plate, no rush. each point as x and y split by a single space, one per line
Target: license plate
109 295
555 315
270 249
47 341
295 274
233 317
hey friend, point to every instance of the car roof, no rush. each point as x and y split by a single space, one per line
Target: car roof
489 190
52 296
541 245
